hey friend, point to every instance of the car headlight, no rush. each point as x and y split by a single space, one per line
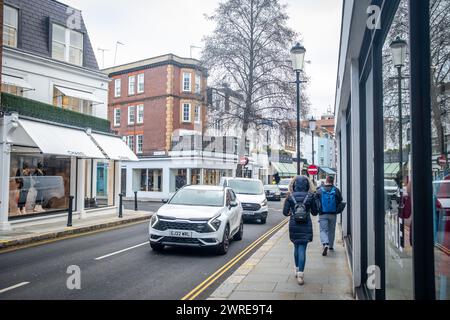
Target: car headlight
154 220
264 203
215 224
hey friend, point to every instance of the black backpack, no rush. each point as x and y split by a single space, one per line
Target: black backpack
301 213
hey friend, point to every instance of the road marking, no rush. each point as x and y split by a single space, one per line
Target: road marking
14 287
212 278
121 251
78 235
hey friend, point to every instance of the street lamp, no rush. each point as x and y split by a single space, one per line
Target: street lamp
298 60
398 51
312 127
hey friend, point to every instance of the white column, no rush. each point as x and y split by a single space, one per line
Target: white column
356 173
117 183
189 176
343 173
5 161
81 187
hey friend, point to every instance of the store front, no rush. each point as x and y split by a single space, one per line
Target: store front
44 164
392 115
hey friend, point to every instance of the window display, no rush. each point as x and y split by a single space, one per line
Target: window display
38 184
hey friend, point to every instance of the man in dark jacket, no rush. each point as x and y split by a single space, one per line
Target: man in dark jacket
330 198
300 233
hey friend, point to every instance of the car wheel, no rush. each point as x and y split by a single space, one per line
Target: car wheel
240 234
263 220
157 247
222 249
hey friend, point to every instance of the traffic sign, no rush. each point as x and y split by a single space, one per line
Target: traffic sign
313 170
244 161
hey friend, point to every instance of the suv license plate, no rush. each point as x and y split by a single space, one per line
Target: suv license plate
181 234
249 213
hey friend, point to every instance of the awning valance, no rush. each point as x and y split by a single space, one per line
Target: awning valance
114 147
291 169
328 171
82 95
279 168
62 141
16 81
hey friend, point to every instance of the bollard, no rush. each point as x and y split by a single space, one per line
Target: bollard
120 205
135 201
69 218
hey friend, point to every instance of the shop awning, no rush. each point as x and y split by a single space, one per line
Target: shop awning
114 147
328 171
82 95
291 169
16 81
279 168
62 141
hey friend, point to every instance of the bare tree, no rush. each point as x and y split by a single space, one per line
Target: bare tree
249 50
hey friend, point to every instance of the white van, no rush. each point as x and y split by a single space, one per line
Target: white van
250 192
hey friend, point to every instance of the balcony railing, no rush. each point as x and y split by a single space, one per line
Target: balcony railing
35 109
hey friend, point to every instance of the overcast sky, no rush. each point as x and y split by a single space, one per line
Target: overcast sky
154 27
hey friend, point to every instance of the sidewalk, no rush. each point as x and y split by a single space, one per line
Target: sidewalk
35 231
269 273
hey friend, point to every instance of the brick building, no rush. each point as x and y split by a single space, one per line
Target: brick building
158 105
150 100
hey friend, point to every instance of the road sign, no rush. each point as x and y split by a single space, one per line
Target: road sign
313 170
442 161
244 161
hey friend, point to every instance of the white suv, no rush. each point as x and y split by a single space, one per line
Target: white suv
198 216
250 193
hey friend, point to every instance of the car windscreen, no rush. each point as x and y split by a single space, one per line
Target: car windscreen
285 182
246 186
390 183
202 198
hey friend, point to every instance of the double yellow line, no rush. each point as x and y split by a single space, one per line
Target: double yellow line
216 275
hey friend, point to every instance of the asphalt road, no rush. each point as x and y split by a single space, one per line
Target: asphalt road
137 273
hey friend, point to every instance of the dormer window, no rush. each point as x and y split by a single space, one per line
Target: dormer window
10 25
67 45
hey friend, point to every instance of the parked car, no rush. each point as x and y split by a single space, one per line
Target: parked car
442 212
284 187
273 192
390 187
250 193
198 216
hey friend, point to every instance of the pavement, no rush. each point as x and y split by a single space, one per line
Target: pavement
269 273
32 232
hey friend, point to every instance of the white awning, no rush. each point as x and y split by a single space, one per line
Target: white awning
114 147
82 95
16 81
56 140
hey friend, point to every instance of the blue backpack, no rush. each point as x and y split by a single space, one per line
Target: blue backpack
329 201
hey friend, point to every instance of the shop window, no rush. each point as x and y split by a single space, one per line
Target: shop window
180 179
99 184
38 184
150 180
440 122
195 177
397 160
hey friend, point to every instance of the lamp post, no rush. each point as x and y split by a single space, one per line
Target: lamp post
398 50
298 60
312 127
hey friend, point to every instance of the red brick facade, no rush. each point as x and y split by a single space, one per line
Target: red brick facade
162 100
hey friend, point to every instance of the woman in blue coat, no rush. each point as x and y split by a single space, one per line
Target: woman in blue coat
300 234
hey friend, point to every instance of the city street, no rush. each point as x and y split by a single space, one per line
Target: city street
119 264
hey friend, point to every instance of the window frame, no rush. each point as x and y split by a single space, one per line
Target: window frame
198 115
131 92
138 116
139 149
117 113
67 44
187 76
16 28
131 112
198 83
117 88
140 80
131 143
183 113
